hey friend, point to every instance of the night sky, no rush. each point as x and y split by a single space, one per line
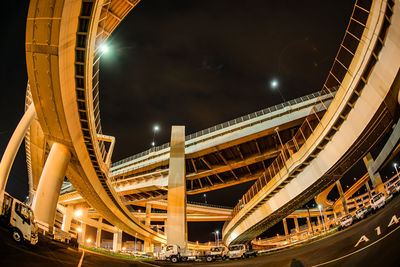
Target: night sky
192 63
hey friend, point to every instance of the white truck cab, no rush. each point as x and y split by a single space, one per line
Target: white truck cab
361 212
346 221
219 252
378 201
19 218
237 251
175 254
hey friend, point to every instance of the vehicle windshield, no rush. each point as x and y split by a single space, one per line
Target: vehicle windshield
346 218
377 197
216 249
361 210
233 248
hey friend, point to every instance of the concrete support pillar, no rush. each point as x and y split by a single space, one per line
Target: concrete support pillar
165 227
117 241
177 227
340 189
82 233
13 146
285 227
148 246
375 177
309 225
67 218
45 202
98 234
296 224
148 214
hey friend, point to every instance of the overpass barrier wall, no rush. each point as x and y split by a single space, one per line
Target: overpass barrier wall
202 133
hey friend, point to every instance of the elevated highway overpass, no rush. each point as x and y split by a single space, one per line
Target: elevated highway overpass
224 155
363 110
319 137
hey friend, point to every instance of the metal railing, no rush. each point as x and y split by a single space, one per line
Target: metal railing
227 124
335 77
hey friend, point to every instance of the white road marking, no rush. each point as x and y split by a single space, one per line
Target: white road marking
80 262
361 249
146 263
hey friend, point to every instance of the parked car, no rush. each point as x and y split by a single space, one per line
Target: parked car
397 186
378 201
216 253
346 221
391 188
362 212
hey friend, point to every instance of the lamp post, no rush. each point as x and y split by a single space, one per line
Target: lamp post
309 218
155 129
217 237
205 198
274 84
135 241
322 217
397 171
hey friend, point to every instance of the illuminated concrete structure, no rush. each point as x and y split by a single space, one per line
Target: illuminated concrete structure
362 111
62 50
177 227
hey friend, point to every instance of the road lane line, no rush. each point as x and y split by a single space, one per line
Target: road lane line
81 260
359 250
150 264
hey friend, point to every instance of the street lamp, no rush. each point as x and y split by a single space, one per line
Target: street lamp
104 48
274 84
156 128
88 240
217 232
205 198
397 171
322 217
309 218
135 241
78 213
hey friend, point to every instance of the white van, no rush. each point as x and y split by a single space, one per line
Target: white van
378 201
237 251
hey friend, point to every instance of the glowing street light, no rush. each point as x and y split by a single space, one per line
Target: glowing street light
79 230
274 84
397 171
124 248
104 48
322 217
78 213
156 128
88 240
205 198
217 232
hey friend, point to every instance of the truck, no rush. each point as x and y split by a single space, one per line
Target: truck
18 217
362 212
346 221
215 253
175 254
378 201
237 251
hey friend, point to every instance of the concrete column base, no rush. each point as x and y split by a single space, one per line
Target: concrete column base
45 202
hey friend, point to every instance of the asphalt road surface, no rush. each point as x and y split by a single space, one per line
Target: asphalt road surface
375 241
